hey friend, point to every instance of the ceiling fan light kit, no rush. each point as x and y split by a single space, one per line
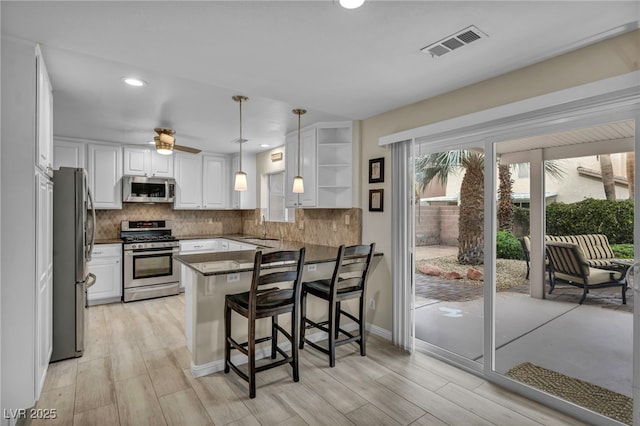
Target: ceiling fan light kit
298 182
240 183
163 147
165 142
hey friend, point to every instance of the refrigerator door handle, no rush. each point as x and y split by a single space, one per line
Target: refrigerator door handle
91 280
93 229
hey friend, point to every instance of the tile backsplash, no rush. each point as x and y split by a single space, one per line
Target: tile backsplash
314 226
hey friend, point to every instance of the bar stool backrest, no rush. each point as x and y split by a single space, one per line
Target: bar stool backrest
280 267
352 269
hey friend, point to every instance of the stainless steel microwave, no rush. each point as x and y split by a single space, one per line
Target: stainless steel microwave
140 189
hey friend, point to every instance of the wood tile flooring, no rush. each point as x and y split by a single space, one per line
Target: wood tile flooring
135 371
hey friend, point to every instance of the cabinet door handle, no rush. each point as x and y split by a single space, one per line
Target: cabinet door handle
97 252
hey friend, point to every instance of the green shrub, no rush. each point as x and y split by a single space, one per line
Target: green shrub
624 251
508 246
590 216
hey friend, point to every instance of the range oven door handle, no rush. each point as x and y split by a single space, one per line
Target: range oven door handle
150 252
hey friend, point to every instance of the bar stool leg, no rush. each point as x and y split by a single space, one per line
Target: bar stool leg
274 336
252 358
332 333
337 326
303 318
227 334
362 325
294 345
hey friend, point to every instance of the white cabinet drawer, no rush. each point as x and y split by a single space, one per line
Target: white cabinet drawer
195 246
106 250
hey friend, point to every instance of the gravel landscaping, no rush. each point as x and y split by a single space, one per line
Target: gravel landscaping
509 273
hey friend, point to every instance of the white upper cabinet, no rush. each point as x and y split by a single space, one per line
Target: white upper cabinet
44 100
244 199
215 182
147 162
326 166
335 166
104 168
68 154
188 169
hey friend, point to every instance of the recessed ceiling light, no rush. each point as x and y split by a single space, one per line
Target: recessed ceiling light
135 82
351 4
265 145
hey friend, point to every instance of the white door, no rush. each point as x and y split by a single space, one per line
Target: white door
188 169
161 165
215 185
136 161
105 173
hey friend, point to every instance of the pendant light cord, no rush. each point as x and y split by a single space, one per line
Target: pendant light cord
299 150
240 162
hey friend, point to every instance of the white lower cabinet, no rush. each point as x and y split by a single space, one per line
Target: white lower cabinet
106 265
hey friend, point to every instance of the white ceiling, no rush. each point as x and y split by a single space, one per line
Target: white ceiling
338 64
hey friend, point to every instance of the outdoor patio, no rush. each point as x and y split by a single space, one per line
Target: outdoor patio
591 342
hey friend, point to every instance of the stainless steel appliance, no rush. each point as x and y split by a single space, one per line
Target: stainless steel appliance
140 189
74 222
148 266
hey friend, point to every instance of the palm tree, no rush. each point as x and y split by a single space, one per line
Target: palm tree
631 172
606 170
439 166
471 221
505 206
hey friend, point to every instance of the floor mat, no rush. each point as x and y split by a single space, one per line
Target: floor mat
593 397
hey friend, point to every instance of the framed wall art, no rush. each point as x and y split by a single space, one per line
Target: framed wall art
376 170
376 200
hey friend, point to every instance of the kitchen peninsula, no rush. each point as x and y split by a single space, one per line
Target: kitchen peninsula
210 276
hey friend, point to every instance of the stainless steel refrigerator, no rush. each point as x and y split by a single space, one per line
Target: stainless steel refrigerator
74 222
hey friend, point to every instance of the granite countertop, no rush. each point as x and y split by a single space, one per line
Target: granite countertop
221 263
109 241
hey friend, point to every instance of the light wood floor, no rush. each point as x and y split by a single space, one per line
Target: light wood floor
135 371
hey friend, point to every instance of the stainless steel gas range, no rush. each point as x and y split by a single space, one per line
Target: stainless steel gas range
149 268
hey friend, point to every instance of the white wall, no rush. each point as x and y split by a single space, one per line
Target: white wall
18 224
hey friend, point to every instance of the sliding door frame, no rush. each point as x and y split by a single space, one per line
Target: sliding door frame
610 100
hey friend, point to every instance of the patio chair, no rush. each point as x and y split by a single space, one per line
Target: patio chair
525 242
568 263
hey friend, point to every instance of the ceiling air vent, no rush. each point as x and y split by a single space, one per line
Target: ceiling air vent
452 42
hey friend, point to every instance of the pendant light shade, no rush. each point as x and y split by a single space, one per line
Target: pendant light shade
298 182
240 183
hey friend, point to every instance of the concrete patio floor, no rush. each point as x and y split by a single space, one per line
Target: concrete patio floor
591 342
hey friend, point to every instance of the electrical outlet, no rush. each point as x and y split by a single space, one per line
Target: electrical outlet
334 226
347 219
372 304
301 224
232 278
312 268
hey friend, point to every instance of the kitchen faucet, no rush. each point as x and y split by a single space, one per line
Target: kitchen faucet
264 227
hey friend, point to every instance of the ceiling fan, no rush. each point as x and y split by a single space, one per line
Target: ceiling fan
165 142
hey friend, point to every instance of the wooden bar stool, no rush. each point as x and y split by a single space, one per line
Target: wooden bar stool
348 281
264 300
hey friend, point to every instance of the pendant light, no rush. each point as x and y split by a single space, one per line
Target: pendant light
241 177
298 182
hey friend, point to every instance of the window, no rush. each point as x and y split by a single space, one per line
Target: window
277 212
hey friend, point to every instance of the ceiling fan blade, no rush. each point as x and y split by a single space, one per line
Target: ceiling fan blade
186 149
